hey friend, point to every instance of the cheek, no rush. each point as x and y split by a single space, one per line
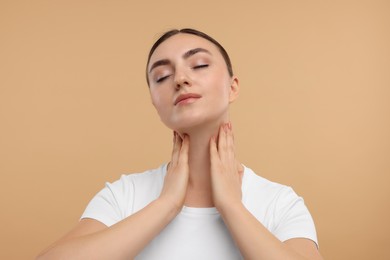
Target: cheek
159 101
218 100
156 100
221 90
221 83
156 95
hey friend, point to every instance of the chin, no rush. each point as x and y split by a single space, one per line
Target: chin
189 124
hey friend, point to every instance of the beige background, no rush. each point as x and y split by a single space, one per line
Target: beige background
313 112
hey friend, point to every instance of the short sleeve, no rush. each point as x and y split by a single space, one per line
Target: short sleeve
110 205
292 218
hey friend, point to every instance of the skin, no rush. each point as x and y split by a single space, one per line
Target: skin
199 120
203 171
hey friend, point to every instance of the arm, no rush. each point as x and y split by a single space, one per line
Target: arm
256 242
124 240
252 238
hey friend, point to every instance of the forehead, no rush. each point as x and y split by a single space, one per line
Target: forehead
177 45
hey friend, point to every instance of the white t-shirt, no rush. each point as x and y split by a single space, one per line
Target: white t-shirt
200 233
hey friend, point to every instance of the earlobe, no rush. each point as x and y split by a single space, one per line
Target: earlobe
234 89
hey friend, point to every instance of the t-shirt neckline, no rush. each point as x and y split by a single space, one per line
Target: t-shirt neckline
200 211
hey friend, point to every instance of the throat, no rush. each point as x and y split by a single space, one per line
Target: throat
199 192
199 188
197 198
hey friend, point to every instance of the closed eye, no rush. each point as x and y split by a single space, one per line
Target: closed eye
201 66
159 80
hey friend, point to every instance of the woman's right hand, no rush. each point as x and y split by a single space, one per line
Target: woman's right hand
176 178
91 239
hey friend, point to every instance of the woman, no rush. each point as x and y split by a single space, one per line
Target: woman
203 204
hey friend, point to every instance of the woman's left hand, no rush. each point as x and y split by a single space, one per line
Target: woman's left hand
226 171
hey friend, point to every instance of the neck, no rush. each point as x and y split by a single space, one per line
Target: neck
199 193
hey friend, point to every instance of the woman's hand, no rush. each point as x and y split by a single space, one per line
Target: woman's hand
226 171
176 179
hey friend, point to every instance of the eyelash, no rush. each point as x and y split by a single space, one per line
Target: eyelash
159 80
201 66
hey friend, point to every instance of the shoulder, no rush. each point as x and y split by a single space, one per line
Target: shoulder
278 207
257 187
125 196
138 189
267 199
259 192
150 178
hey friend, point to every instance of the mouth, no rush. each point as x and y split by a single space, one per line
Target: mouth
186 98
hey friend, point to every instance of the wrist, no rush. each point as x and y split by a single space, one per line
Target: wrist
172 208
226 209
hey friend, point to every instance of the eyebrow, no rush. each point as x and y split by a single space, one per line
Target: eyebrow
186 55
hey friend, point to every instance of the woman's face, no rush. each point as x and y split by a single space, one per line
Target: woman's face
189 82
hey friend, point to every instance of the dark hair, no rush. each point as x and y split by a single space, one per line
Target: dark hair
173 32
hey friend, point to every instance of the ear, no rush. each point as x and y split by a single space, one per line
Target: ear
234 89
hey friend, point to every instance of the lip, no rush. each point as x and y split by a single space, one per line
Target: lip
186 96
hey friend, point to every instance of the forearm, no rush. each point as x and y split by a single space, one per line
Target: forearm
123 240
252 238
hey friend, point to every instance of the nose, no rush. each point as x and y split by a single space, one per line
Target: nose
181 79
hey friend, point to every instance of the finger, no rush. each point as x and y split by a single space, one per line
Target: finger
176 149
230 143
183 154
213 150
221 138
222 142
231 129
240 169
215 160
